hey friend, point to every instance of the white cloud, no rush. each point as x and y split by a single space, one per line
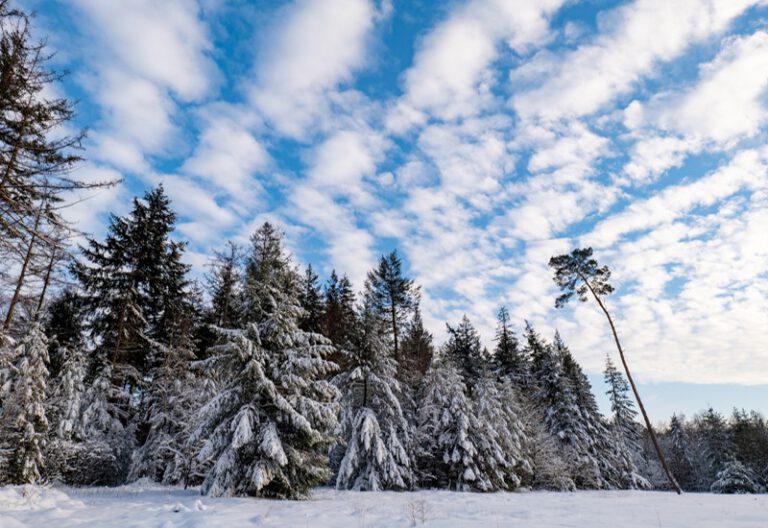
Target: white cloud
634 39
317 47
450 76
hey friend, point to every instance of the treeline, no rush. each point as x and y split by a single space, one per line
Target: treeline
279 384
263 381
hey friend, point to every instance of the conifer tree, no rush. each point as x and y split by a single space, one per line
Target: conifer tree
679 450
509 361
265 432
455 450
311 301
578 274
394 296
132 282
622 407
339 318
22 416
64 328
224 286
377 453
418 351
464 349
173 397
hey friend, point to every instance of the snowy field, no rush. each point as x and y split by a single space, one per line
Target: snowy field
154 506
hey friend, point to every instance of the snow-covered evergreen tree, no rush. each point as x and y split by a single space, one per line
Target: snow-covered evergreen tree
23 421
680 453
499 414
266 432
67 394
735 477
455 450
623 409
311 301
464 349
373 426
508 359
173 397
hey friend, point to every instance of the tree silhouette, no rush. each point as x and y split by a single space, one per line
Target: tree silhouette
578 274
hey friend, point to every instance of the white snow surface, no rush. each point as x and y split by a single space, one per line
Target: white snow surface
148 505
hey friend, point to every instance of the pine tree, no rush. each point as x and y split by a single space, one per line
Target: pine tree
394 296
509 361
464 349
264 433
23 419
376 433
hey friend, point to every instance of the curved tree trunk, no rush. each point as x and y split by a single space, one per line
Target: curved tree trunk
648 425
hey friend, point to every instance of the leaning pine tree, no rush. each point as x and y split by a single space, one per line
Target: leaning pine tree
578 274
267 431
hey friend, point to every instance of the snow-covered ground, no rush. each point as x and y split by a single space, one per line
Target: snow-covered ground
155 506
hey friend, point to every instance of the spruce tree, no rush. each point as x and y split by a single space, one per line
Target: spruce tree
23 415
173 397
394 296
464 349
64 328
265 432
454 449
311 301
680 453
224 286
622 407
339 318
508 360
377 452
418 351
132 282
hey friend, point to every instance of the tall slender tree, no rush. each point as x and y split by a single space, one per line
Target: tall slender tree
578 274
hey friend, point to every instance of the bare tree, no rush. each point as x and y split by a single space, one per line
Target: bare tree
578 274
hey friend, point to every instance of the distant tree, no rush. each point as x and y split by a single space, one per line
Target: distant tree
509 361
578 274
418 351
394 296
311 300
622 407
223 284
735 477
464 349
339 319
680 452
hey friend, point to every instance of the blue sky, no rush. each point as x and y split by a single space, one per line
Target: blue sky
477 137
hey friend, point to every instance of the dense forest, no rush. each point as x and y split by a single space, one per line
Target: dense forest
263 379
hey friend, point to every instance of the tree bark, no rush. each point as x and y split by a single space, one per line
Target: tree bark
648 425
46 282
